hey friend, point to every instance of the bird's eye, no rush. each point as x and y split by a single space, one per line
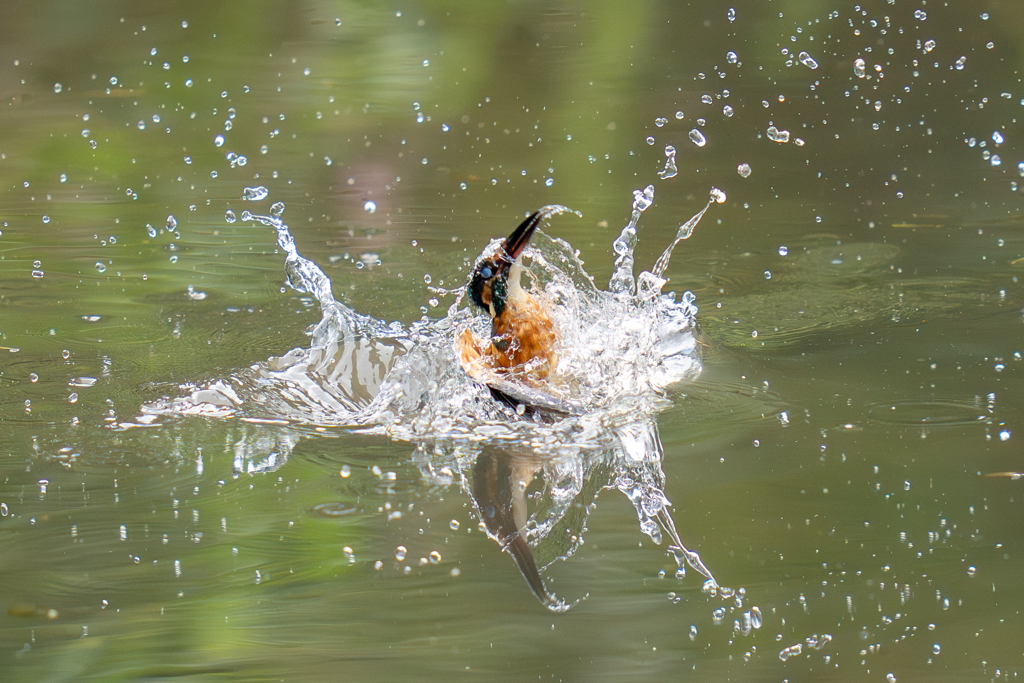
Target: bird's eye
486 273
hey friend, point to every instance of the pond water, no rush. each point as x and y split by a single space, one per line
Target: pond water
199 478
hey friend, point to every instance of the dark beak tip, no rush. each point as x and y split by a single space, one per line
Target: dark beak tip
520 237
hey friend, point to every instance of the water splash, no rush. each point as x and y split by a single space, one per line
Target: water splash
618 350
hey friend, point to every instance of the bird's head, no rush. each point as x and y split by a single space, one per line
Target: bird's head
492 280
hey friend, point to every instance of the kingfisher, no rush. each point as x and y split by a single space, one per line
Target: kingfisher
518 362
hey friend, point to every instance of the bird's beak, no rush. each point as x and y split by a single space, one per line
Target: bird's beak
520 237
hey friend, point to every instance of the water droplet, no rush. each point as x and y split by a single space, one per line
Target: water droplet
929 45
370 206
650 140
100 267
731 57
744 170
778 135
698 138
936 649
454 525
660 121
717 196
959 64
920 14
172 223
706 99
1004 435
400 553
728 111
549 182
255 194
229 217
730 14
807 60
276 209
997 137
435 557
767 275
679 115
427 278
57 88
783 250
670 170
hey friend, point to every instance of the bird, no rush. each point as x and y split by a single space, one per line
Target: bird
521 354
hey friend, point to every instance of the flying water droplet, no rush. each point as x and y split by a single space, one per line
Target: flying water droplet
698 138
717 196
777 135
744 170
670 170
255 194
807 60
731 57
660 121
370 206
859 68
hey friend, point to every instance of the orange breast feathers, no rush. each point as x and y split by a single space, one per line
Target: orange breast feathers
521 347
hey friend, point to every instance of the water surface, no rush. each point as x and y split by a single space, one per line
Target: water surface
847 455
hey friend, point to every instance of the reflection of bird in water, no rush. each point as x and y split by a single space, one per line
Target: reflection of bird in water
521 354
499 490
